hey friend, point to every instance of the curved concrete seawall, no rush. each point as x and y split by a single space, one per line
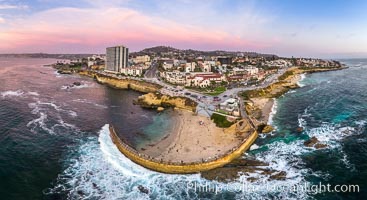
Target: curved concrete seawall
179 168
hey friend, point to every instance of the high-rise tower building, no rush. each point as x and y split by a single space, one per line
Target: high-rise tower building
116 58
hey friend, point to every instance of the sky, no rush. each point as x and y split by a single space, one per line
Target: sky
307 28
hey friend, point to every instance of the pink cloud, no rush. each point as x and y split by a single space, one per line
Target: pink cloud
72 30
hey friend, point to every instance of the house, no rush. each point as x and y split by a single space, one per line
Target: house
174 77
190 67
132 71
230 106
203 79
168 64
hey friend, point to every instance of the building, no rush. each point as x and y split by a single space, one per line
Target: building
230 106
203 79
96 60
175 77
190 67
168 64
141 59
116 59
132 71
224 60
252 70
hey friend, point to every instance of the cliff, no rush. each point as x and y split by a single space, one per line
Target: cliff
155 100
126 83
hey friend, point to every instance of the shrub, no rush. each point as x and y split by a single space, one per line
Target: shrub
221 121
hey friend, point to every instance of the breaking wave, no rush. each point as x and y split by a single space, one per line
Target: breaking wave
302 77
53 125
99 171
273 111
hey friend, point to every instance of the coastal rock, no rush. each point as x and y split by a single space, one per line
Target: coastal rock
314 142
299 129
267 129
238 167
77 84
160 109
142 189
320 146
264 128
279 176
155 100
64 71
311 142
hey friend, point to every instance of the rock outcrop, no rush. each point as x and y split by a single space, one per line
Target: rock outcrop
155 100
238 167
314 142
267 129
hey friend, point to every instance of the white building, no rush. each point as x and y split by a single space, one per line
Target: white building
252 70
190 67
175 77
132 71
93 60
203 79
231 106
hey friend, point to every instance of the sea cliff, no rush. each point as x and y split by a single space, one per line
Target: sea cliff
123 83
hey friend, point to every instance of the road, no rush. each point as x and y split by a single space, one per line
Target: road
152 70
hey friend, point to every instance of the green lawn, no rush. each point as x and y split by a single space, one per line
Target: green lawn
217 91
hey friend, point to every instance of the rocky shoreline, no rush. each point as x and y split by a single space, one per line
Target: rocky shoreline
257 101
122 83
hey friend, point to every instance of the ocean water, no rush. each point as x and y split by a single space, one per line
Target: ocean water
55 144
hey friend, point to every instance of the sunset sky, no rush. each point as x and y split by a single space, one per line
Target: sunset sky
308 28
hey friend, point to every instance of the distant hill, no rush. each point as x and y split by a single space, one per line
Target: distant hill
159 50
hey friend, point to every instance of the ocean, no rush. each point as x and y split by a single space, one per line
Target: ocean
55 144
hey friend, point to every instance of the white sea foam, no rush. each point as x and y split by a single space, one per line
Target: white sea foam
12 93
302 77
273 111
331 134
42 109
33 93
90 102
100 171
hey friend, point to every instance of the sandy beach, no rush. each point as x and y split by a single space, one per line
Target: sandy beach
265 104
195 138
